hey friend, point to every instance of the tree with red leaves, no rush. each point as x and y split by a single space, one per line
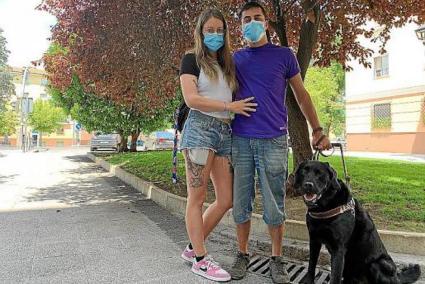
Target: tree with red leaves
128 50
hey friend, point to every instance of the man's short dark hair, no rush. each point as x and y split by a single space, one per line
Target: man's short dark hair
254 4
251 4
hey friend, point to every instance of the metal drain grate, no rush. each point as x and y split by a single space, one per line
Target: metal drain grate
260 265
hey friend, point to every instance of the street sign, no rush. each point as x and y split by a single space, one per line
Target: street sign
78 126
27 105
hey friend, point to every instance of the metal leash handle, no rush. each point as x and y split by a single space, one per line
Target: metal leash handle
319 153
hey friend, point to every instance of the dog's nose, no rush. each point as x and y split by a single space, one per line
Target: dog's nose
308 186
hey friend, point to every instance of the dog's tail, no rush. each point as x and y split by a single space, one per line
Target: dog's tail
409 274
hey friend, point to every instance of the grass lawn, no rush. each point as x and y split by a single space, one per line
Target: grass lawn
392 191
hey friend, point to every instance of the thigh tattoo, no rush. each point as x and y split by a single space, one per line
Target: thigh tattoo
195 176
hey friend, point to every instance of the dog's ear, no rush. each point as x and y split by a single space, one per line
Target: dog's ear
333 177
300 166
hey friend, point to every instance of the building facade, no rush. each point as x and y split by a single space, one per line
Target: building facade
385 104
36 89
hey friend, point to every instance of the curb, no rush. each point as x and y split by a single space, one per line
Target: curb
395 241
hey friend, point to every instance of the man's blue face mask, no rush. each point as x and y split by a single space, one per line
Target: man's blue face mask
254 31
213 41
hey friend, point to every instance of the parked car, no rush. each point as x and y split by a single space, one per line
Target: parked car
160 140
342 141
105 142
140 144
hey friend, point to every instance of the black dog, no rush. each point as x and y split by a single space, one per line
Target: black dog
339 222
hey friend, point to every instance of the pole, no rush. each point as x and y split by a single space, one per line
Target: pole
73 132
23 111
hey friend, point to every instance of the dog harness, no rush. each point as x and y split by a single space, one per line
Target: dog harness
335 212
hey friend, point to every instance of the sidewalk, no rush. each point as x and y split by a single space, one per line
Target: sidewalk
64 220
392 156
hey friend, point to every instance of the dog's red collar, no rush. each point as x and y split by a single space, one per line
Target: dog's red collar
334 212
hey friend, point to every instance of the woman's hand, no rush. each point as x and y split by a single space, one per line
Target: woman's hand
243 107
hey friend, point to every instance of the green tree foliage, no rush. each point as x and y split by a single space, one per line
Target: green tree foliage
99 114
6 86
8 122
326 86
46 117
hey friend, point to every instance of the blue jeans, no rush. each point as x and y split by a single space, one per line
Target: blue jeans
269 158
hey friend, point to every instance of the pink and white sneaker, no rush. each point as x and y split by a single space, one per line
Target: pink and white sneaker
188 254
210 269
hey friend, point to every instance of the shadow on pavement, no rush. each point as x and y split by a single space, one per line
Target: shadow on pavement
87 184
4 179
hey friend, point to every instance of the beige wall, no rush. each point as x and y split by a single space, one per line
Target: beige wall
407 132
406 59
36 89
411 143
406 113
54 139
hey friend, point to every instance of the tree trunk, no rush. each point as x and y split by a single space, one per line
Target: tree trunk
297 124
134 136
298 128
39 140
122 146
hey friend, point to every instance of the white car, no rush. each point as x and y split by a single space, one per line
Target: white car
105 142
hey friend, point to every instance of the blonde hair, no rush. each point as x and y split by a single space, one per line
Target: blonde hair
224 58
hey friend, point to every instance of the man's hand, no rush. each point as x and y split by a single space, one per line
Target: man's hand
321 141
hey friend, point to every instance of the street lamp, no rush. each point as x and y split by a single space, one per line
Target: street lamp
420 33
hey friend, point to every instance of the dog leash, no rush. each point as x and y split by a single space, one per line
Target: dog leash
318 153
175 147
350 206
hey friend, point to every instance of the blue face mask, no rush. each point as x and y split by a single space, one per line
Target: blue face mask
254 31
213 41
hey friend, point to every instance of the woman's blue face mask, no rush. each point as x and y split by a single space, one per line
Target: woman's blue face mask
213 41
254 31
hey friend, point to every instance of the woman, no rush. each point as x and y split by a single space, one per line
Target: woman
207 77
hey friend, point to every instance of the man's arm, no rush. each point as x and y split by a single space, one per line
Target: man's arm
306 105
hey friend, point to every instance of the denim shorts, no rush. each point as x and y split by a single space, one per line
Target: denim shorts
269 159
202 131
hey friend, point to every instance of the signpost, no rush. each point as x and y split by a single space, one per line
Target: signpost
77 129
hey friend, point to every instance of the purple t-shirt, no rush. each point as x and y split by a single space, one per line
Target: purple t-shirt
262 73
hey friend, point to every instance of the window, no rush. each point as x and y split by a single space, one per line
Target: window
44 82
381 116
381 66
60 131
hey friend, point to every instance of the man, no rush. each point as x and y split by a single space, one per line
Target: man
260 141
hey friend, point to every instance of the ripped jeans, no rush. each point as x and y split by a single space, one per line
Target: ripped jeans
206 132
